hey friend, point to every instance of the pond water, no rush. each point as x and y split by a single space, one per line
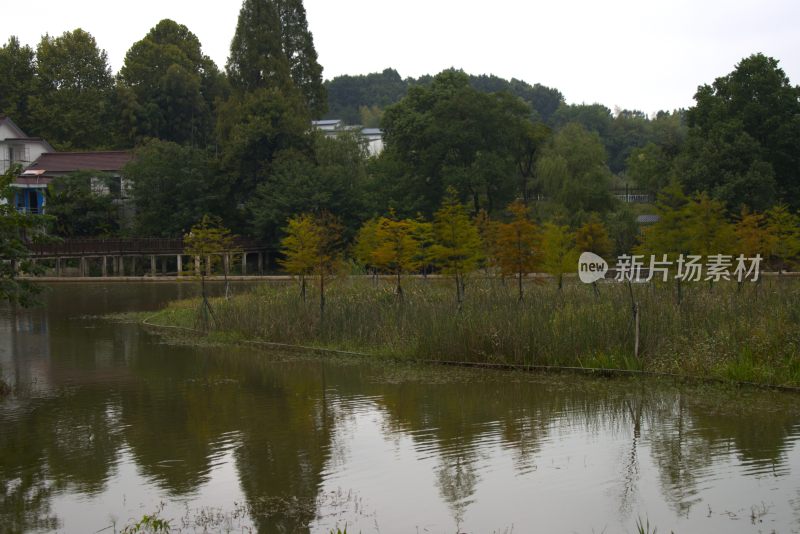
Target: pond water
111 421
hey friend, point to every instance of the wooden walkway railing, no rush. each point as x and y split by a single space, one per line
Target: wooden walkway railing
130 256
134 246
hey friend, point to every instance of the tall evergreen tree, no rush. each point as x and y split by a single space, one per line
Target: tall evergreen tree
17 72
272 47
298 45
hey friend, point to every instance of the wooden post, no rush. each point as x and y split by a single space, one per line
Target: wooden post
133 265
121 262
244 263
82 266
197 265
180 265
208 265
636 312
153 266
103 267
260 263
58 267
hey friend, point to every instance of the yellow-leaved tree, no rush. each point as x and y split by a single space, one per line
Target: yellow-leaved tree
669 235
517 245
365 244
709 231
423 233
457 243
211 240
397 247
299 247
784 227
592 236
752 235
559 255
312 246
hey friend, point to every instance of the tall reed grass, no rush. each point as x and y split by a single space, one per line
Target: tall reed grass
748 333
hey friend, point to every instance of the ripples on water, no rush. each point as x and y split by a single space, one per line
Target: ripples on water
111 423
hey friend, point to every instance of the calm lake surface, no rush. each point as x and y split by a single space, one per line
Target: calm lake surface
111 421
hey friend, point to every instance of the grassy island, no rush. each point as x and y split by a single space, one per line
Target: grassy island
749 333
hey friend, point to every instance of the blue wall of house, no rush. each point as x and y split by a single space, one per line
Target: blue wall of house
30 200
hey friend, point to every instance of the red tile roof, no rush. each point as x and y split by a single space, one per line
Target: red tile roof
60 162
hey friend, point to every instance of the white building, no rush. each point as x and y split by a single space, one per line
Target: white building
373 137
17 147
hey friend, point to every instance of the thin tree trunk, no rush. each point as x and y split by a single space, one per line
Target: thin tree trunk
636 314
321 296
635 309
459 297
226 263
519 276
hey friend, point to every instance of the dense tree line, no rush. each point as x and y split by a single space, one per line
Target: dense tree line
451 242
352 98
237 143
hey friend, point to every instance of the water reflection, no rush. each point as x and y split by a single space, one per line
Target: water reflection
109 420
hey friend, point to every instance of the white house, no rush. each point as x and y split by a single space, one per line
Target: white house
372 136
17 147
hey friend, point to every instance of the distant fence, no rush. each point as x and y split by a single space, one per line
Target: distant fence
135 246
634 196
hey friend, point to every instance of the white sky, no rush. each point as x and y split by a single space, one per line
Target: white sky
636 54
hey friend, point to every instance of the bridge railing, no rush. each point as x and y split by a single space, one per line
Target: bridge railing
123 246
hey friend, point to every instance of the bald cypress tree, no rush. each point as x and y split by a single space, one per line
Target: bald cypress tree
272 48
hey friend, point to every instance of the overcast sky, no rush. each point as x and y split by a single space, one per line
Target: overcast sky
635 54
